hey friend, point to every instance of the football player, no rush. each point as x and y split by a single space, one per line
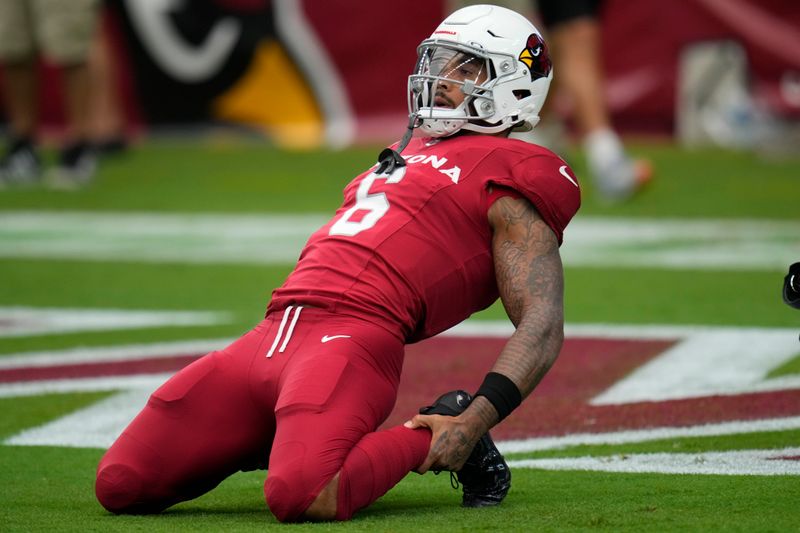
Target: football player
444 224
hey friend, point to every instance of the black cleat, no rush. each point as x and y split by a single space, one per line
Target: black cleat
485 477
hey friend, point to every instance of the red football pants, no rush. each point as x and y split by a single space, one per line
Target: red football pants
300 392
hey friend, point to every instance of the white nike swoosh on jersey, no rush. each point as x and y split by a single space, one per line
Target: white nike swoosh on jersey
327 338
563 171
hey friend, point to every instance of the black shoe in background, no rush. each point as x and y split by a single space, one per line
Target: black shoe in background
76 166
20 164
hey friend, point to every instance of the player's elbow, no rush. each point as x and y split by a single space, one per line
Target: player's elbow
551 335
554 339
556 332
545 329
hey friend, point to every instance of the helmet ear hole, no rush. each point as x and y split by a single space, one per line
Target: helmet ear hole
521 93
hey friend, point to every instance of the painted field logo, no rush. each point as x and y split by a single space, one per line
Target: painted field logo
611 385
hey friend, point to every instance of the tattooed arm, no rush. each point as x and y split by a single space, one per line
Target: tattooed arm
530 279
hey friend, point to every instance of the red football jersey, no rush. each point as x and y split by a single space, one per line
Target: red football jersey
412 251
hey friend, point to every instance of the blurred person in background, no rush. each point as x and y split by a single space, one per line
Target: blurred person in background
422 240
573 31
61 31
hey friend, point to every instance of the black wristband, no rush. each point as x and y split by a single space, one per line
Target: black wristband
501 392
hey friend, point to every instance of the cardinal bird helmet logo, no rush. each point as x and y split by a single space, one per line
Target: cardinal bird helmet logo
536 57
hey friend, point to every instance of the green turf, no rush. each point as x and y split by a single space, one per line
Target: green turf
790 367
653 296
51 488
192 176
238 288
252 177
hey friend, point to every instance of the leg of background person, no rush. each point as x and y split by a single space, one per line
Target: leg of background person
20 85
20 163
77 99
106 117
576 49
66 29
18 57
77 162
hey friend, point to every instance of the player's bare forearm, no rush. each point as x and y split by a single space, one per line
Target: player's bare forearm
531 283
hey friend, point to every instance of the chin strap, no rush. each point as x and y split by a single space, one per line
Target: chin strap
388 159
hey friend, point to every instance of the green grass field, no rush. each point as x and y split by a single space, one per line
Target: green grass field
51 487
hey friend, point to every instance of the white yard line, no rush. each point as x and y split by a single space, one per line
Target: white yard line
96 426
147 382
741 462
645 435
713 244
710 363
277 239
155 237
109 354
27 321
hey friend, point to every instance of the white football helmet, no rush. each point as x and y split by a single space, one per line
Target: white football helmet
500 61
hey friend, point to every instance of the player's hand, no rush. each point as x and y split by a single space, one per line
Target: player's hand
452 441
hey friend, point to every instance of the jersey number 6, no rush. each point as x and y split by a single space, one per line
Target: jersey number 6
376 205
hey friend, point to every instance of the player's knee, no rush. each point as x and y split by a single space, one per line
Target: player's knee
118 488
284 499
126 487
291 503
131 479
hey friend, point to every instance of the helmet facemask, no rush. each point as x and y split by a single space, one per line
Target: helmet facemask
441 65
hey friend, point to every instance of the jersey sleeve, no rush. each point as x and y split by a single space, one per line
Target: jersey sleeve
550 185
498 192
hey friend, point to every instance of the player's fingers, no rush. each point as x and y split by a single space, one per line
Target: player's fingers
419 421
411 424
426 421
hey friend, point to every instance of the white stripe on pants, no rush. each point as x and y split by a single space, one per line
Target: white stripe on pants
281 328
